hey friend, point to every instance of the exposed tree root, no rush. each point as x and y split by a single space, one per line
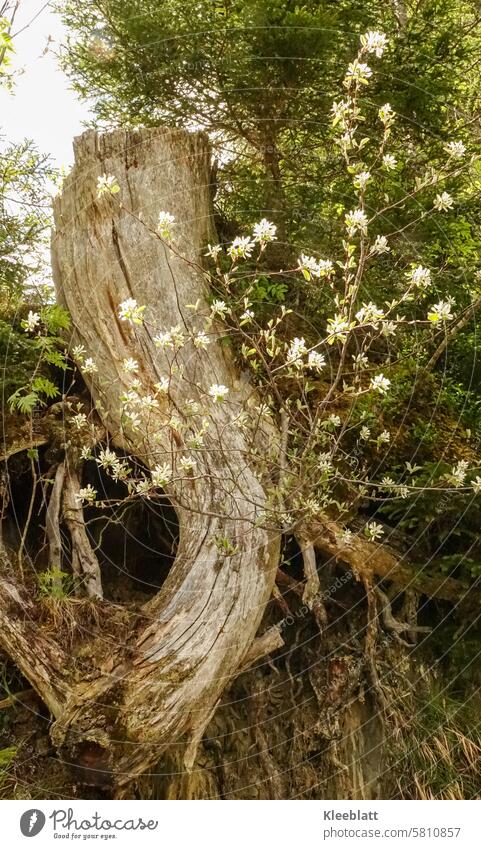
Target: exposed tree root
367 559
393 625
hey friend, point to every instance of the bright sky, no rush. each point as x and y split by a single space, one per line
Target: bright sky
43 107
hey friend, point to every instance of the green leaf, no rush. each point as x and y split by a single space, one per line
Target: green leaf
55 318
23 403
56 358
45 386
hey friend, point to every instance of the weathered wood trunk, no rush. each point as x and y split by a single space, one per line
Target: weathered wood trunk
137 698
166 681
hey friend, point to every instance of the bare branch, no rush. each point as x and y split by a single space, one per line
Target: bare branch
269 641
81 548
52 523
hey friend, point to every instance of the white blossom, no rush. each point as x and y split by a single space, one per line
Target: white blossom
358 72
385 436
163 340
196 442
86 494
386 114
177 336
86 453
389 162
419 276
187 463
79 420
316 361
458 473
337 328
324 462
388 328
380 245
107 458
218 392
312 267
89 366
78 352
264 231
340 111
346 536
346 141
148 403
374 42
365 432
213 251
441 311
247 315
356 220
380 383
163 385
142 486
130 311
360 360
369 314
443 202
107 184
31 322
201 340
326 267
130 365
296 351
373 531
309 266
476 485
456 149
241 247
169 339
362 179
219 307
165 225
134 419
161 475
175 423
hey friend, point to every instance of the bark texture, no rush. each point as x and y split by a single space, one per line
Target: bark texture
195 633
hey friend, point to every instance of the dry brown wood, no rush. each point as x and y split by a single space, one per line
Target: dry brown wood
22 445
395 625
16 698
40 658
312 585
200 626
86 563
268 642
367 559
52 526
